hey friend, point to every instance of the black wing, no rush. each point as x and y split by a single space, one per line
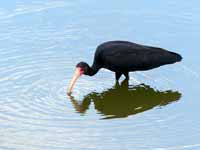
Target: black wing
128 56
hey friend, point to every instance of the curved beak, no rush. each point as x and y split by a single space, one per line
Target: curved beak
75 77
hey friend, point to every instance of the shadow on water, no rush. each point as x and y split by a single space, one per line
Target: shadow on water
124 100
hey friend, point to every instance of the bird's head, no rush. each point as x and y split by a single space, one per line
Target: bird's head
81 68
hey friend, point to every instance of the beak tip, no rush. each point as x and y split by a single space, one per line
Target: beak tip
69 93
72 83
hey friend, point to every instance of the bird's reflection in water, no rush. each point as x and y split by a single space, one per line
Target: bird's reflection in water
123 100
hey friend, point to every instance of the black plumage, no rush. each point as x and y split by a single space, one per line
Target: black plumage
123 57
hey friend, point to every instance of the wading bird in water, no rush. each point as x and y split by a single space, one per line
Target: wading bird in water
123 57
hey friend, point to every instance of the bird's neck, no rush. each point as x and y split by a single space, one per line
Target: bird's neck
93 70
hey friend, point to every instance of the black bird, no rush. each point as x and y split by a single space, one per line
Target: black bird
123 57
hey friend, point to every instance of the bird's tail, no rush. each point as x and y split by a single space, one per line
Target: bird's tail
177 57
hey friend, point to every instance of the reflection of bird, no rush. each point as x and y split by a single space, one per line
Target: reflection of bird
123 57
122 101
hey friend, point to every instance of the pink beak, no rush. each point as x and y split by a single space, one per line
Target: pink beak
77 74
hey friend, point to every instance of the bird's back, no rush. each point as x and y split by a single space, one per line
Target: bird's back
125 56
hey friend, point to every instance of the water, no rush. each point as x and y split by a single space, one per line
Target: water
40 43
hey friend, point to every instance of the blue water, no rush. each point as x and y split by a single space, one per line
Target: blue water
42 40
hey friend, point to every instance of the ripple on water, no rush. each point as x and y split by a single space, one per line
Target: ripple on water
33 95
37 55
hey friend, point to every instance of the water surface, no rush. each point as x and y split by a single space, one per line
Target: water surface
40 43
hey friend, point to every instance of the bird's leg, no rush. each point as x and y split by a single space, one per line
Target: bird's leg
126 74
117 75
124 84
